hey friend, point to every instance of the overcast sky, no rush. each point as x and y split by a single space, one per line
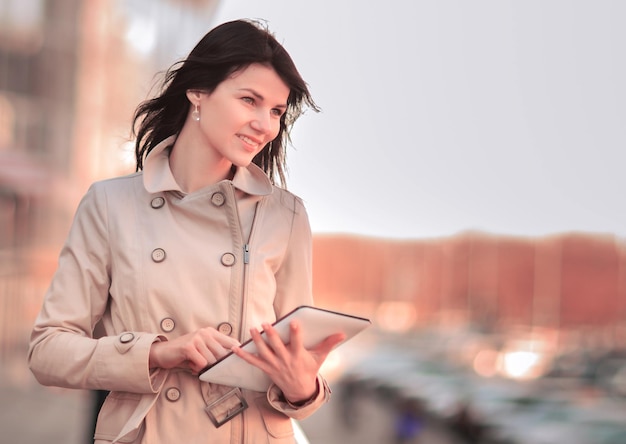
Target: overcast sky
442 116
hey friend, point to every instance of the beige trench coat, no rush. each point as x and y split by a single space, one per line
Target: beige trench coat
147 262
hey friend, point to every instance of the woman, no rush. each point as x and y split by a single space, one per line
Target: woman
182 261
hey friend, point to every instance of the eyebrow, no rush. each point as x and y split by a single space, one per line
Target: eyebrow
260 97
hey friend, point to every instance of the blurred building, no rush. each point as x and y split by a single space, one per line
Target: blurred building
566 281
71 74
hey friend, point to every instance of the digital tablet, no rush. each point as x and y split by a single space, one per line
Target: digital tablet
316 324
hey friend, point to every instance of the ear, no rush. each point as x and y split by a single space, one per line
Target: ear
193 95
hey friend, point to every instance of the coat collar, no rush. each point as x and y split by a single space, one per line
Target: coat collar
158 177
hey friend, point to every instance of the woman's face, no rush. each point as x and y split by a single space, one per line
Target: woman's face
243 113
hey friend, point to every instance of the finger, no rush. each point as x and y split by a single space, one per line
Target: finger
209 354
255 360
326 346
211 334
218 343
198 356
250 358
228 342
263 349
295 336
275 342
224 340
217 349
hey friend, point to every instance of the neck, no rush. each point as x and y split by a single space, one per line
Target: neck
194 166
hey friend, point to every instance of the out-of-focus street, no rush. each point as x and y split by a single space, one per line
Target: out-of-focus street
373 423
31 413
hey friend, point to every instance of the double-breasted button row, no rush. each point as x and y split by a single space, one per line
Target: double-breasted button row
218 199
227 259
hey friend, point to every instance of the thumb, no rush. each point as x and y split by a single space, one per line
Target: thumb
326 346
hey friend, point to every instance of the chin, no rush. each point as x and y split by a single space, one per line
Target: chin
245 160
242 163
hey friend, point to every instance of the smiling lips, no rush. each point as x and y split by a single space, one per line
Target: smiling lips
250 144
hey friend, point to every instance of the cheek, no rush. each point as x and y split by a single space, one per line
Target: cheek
215 126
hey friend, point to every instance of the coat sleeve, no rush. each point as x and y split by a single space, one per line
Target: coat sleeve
63 351
277 400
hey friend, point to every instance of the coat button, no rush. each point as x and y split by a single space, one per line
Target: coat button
126 338
167 325
218 199
172 394
228 259
158 255
225 328
157 202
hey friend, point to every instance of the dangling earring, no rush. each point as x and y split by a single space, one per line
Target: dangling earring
195 114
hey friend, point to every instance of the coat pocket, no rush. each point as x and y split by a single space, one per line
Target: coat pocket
277 424
114 414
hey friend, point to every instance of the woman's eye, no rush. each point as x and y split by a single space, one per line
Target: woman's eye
277 112
249 100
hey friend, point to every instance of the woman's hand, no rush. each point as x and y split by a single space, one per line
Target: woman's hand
192 351
290 366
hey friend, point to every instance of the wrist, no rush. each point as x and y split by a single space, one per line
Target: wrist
154 361
302 401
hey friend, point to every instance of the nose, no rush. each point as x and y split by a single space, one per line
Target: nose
262 122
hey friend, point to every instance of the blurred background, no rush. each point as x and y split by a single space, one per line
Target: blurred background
463 183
